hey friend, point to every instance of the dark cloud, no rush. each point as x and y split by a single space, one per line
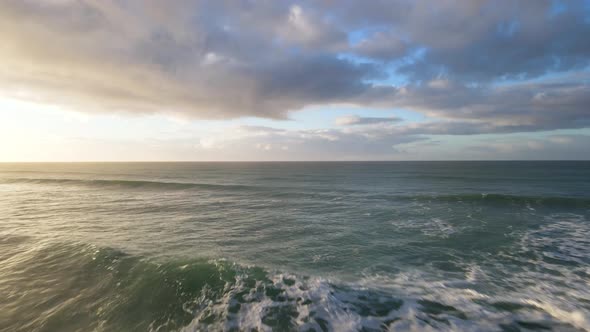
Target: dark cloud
384 46
515 40
504 108
476 40
469 64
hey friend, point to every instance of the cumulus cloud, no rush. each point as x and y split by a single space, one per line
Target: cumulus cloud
476 66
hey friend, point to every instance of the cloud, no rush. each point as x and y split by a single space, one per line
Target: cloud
350 120
385 141
349 143
505 108
385 46
476 40
214 63
309 29
474 66
554 147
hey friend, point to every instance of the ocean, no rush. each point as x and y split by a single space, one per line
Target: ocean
302 246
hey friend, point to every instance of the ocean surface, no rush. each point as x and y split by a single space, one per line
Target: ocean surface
403 246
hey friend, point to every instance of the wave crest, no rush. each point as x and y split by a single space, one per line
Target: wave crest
78 286
123 183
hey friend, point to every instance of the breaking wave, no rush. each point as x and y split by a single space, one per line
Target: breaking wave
77 286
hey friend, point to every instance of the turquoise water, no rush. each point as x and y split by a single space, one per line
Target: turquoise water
467 246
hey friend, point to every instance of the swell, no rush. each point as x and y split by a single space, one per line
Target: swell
491 199
124 183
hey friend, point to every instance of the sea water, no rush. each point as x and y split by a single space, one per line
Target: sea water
336 246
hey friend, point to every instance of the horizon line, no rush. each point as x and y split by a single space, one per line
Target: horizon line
278 161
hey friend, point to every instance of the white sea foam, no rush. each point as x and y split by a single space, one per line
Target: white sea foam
422 300
431 227
410 301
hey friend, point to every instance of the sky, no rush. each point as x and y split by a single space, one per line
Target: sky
189 80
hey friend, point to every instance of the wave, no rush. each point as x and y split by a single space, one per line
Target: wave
502 199
125 183
291 192
75 286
